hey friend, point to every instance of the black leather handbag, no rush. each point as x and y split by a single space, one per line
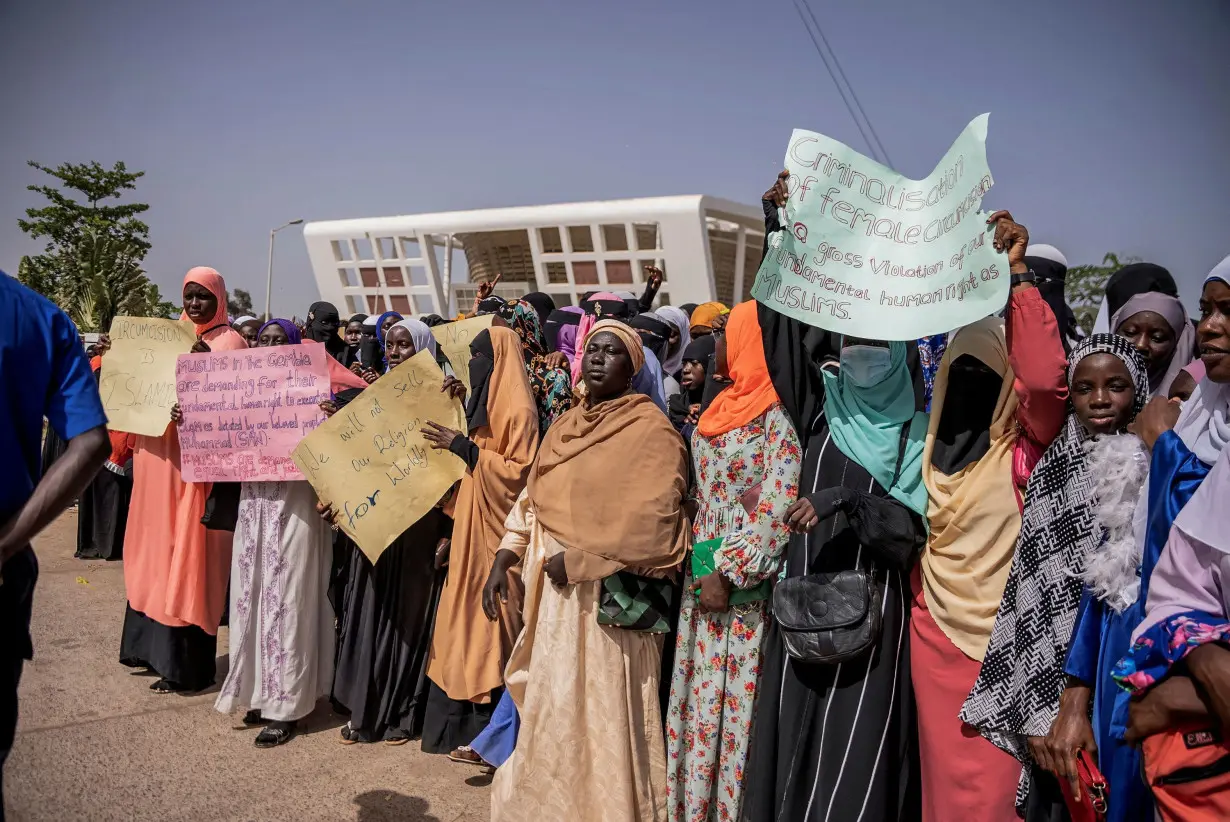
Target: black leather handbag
828 618
831 617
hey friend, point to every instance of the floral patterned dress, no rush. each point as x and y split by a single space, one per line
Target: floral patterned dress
717 655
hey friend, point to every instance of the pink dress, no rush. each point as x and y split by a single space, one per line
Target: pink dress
175 571
963 775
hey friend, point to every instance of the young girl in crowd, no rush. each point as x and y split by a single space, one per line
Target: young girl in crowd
1078 507
746 460
174 569
1184 446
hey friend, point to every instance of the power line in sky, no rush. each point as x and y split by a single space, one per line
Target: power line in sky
850 98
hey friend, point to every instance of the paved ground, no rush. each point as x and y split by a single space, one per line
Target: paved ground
94 743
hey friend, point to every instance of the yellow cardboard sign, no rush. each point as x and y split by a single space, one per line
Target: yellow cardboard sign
137 383
454 341
370 462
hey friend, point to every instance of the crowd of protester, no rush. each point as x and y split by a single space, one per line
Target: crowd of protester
717 564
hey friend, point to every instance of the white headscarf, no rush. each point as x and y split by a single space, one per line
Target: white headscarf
678 318
1204 423
420 335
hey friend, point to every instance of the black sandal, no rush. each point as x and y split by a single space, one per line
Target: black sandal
165 686
253 718
275 734
350 736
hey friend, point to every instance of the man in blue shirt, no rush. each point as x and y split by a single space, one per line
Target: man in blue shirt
43 373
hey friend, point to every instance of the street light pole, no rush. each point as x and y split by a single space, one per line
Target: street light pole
269 278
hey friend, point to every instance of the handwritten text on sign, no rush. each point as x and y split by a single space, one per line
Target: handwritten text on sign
454 341
245 411
370 462
137 383
870 253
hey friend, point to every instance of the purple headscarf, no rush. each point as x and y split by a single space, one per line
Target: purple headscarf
568 335
293 337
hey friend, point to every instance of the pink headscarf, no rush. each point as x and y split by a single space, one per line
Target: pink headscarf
212 281
587 322
1195 369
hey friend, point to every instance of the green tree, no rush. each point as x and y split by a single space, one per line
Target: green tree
239 303
1085 287
91 264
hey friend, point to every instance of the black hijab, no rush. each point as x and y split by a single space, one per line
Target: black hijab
543 304
963 435
555 320
655 334
322 322
482 363
1137 278
432 320
350 356
490 305
1052 278
371 352
607 309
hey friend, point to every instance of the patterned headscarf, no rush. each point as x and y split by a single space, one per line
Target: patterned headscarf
1017 692
552 387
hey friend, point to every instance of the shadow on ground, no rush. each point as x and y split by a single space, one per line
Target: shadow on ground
381 805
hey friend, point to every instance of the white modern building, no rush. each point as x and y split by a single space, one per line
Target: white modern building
707 247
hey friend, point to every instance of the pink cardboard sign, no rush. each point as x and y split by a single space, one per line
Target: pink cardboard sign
245 411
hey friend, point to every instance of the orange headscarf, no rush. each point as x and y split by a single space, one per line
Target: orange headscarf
704 315
208 278
751 393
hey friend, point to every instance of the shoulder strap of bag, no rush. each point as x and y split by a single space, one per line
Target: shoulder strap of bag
905 437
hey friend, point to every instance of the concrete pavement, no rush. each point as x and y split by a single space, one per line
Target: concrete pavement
94 743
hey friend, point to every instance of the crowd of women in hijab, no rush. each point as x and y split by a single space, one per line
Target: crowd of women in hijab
717 564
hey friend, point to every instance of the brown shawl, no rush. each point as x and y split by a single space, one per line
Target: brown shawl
468 651
609 484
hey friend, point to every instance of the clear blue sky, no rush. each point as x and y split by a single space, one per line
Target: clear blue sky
1109 128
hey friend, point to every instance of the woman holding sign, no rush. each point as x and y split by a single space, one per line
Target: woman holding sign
281 640
468 651
1000 398
385 610
585 683
176 571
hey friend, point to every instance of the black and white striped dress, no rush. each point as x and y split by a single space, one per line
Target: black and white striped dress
838 743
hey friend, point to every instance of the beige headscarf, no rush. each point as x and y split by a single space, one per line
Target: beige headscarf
468 651
973 514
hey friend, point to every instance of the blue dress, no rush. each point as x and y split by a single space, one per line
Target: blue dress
1101 637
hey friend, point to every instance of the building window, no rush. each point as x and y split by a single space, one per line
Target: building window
618 272
550 240
585 273
401 304
375 304
557 273
388 251
410 248
646 236
356 304
614 238
363 247
368 275
348 276
581 238
393 278
341 250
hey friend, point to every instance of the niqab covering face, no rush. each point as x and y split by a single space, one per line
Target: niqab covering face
482 364
322 326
